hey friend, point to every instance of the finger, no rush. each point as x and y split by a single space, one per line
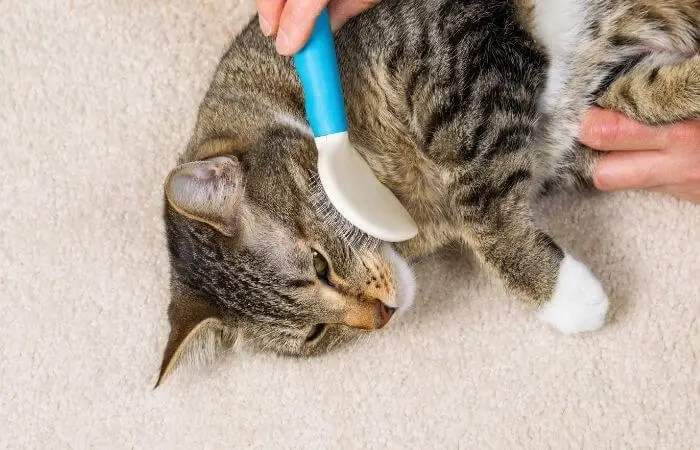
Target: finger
296 22
610 131
343 10
269 14
636 170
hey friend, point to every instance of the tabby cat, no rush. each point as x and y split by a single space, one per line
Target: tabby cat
468 110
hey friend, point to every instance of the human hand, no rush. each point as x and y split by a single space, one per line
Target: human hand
660 159
293 20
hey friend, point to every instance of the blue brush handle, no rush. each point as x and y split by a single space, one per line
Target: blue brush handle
317 67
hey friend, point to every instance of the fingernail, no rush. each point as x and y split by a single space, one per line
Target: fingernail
282 43
264 25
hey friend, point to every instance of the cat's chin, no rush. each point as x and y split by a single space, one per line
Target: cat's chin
405 280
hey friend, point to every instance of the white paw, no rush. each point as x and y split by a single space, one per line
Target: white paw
579 303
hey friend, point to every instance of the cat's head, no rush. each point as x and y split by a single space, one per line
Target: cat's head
252 261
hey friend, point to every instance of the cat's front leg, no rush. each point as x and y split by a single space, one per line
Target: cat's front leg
528 261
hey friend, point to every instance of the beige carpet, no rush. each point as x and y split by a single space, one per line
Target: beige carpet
96 100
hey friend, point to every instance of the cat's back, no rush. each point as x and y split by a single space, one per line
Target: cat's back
439 62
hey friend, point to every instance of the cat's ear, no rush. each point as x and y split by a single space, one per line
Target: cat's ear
197 332
209 191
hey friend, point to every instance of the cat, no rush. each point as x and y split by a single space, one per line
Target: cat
467 110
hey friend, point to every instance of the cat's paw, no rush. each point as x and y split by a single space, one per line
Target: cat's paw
579 302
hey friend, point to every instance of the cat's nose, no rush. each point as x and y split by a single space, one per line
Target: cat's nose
368 315
384 313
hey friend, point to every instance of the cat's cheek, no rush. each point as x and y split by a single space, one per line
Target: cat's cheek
405 280
579 302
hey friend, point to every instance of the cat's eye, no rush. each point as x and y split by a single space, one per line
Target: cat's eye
316 332
321 267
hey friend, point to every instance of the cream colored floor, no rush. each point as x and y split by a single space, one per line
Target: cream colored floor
96 100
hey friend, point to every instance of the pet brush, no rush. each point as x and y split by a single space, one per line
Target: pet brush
345 177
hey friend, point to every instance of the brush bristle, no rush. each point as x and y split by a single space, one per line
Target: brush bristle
330 216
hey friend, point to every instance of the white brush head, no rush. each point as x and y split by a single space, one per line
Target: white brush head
349 233
355 192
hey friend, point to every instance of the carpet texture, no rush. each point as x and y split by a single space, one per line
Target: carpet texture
97 99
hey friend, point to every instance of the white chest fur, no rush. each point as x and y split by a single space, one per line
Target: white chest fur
559 25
